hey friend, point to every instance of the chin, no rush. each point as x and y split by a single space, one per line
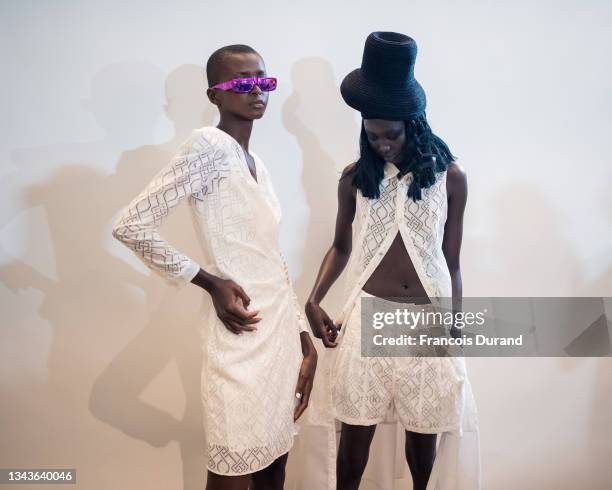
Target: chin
256 114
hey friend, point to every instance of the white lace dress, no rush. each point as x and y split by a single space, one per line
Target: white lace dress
248 380
438 397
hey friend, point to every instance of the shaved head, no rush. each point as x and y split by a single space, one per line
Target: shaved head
214 65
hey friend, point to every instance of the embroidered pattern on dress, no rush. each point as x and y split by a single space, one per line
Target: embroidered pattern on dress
248 380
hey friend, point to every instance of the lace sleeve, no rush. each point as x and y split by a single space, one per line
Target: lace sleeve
190 172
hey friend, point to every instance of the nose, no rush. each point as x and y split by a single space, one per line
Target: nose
256 90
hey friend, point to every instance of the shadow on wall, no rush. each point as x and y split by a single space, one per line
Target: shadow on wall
113 329
327 134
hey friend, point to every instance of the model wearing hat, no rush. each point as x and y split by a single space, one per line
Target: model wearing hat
399 228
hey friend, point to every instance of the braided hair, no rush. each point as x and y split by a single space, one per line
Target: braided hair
425 155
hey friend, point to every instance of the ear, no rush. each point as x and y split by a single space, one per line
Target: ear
212 96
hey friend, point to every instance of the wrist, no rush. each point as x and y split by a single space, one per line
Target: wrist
206 280
311 303
308 348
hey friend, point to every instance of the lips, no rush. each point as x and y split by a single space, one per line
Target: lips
258 104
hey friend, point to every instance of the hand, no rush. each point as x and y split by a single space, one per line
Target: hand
322 325
227 296
306 376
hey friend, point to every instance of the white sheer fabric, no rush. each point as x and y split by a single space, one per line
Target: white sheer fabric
248 380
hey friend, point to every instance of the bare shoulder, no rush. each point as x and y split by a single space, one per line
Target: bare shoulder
345 184
348 169
456 180
456 172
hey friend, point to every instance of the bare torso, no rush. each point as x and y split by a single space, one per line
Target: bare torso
396 276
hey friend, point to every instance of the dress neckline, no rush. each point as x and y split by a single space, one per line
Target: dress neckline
253 180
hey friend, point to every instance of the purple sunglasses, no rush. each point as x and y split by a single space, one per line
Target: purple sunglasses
245 85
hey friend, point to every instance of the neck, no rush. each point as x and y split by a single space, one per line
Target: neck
403 168
239 129
404 165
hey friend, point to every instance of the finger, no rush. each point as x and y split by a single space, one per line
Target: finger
326 318
230 326
299 410
244 296
237 328
301 406
240 320
242 314
332 331
328 341
331 325
242 328
308 390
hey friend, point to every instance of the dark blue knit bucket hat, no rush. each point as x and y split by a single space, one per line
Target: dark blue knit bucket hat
384 87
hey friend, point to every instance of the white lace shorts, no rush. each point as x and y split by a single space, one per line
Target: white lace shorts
426 394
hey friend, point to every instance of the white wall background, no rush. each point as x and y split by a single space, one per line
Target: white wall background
99 361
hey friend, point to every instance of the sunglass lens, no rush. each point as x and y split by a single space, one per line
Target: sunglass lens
243 86
267 84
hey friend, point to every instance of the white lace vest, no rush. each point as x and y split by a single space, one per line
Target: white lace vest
420 223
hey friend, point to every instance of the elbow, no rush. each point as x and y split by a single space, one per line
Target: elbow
120 232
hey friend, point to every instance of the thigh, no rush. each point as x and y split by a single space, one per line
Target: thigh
271 477
420 450
355 442
224 482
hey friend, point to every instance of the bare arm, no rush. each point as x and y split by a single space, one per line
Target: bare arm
334 262
456 187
